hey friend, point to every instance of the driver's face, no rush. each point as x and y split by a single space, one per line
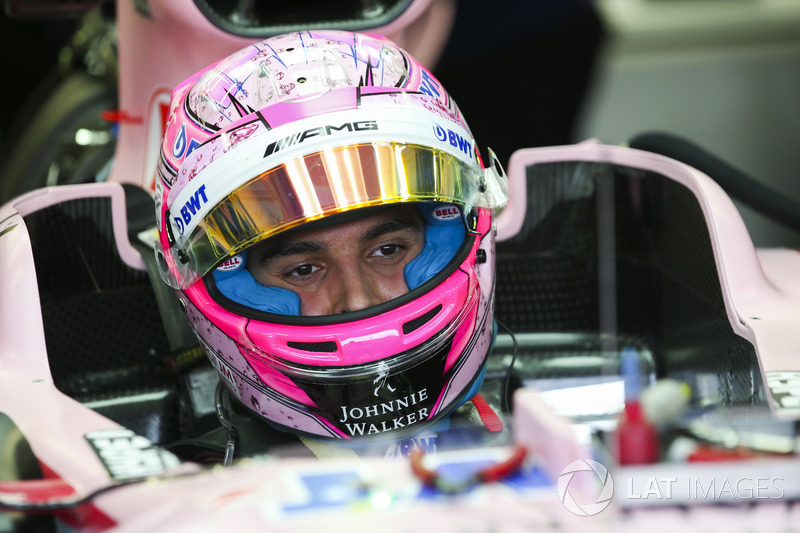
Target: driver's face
346 267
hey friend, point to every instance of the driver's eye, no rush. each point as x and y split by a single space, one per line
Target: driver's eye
388 249
302 272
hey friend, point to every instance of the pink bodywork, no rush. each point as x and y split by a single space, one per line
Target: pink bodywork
761 288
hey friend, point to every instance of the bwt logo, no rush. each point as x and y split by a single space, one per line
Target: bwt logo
453 138
190 208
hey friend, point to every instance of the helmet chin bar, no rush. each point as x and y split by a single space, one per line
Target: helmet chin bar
294 383
380 404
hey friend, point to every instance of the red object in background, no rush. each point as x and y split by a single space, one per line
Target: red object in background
116 116
708 452
636 438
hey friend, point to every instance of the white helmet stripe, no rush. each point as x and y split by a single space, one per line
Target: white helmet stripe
217 172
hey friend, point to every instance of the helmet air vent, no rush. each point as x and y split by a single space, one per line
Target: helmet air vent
327 346
420 321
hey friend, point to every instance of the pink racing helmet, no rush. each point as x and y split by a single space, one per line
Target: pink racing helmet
309 129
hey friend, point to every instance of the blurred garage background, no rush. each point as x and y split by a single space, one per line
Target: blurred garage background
723 73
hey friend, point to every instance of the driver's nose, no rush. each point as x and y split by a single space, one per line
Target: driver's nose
356 290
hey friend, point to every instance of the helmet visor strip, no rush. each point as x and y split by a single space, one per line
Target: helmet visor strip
325 183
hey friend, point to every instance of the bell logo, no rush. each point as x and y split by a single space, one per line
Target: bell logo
232 263
605 493
446 213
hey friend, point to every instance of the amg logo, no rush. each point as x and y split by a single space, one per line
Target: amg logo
297 138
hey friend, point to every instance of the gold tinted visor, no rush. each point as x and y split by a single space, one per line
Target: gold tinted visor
326 183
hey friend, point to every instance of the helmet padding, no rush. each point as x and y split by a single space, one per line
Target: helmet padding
240 286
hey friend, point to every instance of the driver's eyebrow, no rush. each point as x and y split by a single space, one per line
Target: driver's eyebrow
287 248
387 226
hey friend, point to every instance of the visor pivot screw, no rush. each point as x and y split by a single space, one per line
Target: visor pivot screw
183 257
480 256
